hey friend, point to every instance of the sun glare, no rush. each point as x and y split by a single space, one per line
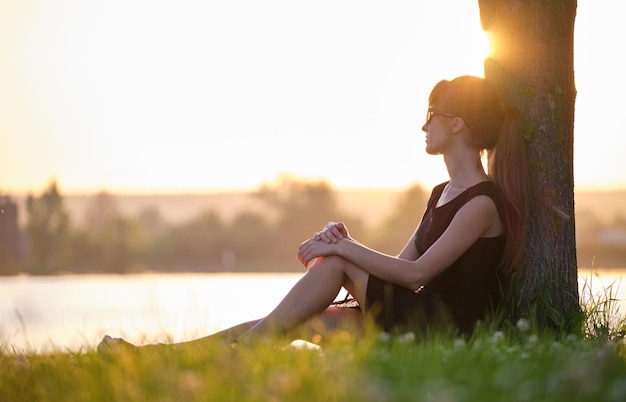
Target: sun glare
484 44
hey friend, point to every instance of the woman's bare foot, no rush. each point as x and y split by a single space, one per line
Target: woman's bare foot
108 345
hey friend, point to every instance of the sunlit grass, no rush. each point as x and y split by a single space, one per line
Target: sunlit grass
515 363
512 362
603 319
488 367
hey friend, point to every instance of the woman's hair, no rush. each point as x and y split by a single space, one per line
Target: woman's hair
497 129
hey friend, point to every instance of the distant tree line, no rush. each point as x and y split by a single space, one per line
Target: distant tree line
109 242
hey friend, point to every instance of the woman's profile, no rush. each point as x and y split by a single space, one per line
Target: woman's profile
451 271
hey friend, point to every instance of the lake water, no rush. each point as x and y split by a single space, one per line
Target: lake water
73 312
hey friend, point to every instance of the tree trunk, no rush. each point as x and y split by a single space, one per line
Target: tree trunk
532 60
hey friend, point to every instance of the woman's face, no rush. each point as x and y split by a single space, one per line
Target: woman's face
437 129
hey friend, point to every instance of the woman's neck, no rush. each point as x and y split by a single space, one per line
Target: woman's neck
464 171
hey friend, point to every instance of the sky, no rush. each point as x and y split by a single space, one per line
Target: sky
139 96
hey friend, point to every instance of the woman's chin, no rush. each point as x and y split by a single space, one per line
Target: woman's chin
430 151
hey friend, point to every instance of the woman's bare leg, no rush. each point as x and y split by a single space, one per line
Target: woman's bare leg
226 336
332 318
311 295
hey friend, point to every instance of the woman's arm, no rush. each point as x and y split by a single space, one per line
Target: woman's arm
335 231
475 219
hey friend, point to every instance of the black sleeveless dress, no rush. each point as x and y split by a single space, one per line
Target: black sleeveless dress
458 297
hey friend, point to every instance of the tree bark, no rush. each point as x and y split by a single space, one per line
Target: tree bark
532 60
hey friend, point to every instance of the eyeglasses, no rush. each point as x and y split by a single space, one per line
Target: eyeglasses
432 112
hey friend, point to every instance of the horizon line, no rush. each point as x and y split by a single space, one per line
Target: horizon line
232 190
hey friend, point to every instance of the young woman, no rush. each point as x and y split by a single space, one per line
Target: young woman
452 270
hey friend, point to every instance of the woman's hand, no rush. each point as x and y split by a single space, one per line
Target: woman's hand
311 249
320 244
332 233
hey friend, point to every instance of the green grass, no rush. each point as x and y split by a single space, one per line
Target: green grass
512 365
509 363
602 317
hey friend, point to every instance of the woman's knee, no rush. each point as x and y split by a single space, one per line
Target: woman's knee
339 264
355 278
331 262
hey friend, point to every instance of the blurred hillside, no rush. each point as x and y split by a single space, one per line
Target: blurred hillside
606 206
174 231
601 228
51 232
370 205
593 208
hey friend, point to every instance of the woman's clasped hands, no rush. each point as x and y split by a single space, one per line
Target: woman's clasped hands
322 243
332 233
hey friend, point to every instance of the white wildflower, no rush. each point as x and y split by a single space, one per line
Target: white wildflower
459 343
533 339
383 337
303 345
407 338
523 325
497 337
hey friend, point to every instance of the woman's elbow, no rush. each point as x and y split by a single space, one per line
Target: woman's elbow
415 282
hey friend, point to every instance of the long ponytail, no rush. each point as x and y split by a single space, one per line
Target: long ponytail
508 169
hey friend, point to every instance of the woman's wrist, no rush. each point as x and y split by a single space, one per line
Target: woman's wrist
342 246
